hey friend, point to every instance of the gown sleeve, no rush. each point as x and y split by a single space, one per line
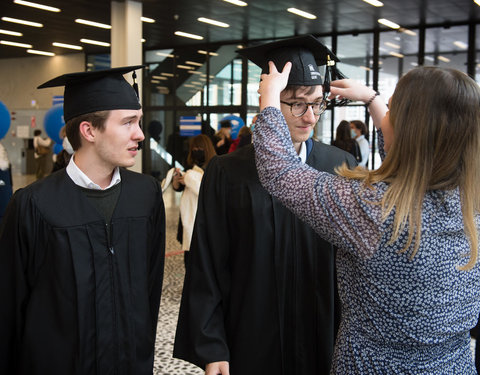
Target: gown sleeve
340 210
157 255
200 337
21 249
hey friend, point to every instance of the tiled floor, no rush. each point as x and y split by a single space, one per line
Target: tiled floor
172 290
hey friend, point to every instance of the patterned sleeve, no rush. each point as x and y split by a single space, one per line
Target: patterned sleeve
340 210
381 144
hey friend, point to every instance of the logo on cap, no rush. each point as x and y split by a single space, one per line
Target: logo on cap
313 73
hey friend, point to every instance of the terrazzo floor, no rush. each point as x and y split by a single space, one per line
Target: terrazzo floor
172 290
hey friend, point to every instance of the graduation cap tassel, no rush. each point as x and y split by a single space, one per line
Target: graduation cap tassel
135 88
135 85
332 73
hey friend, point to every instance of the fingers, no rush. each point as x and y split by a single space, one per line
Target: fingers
272 68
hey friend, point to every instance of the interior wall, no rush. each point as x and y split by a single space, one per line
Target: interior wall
19 79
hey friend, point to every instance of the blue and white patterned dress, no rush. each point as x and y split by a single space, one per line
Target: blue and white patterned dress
399 316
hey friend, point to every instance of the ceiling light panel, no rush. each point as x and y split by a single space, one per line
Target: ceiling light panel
8 32
35 5
213 22
188 35
302 13
147 20
389 23
237 3
375 3
69 46
93 23
43 53
95 42
22 22
15 44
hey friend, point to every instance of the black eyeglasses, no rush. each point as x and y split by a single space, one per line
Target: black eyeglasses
298 109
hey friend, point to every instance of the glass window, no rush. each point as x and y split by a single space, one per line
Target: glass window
252 87
447 47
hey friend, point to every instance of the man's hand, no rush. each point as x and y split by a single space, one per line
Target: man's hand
216 368
272 84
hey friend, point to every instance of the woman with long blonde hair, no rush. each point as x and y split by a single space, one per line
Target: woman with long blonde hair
407 233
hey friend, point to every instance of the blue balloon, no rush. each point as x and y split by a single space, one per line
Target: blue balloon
57 147
236 122
53 122
4 120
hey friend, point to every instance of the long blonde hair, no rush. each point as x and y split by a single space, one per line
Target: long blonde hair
435 115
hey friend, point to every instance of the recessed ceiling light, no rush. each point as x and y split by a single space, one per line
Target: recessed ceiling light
365 67
194 72
96 42
184 67
15 44
443 58
8 32
22 22
396 54
167 74
407 31
460 44
213 22
413 63
375 3
143 40
237 2
388 23
193 63
205 52
35 5
164 54
92 23
44 53
429 58
393 45
188 35
70 46
302 13
146 19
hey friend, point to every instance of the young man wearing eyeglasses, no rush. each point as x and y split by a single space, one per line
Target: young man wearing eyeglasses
260 289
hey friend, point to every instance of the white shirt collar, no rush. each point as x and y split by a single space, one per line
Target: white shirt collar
303 152
82 180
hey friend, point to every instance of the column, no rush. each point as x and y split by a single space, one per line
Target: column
126 48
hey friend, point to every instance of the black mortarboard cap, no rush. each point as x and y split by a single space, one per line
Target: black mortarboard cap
100 90
305 53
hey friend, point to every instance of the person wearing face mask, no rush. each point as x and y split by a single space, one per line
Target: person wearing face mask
345 140
63 157
200 152
359 132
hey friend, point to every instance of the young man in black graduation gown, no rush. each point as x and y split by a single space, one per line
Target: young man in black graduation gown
260 290
82 250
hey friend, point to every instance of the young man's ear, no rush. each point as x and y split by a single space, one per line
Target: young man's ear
87 131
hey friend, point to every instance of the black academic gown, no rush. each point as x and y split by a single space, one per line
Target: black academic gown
260 291
72 300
